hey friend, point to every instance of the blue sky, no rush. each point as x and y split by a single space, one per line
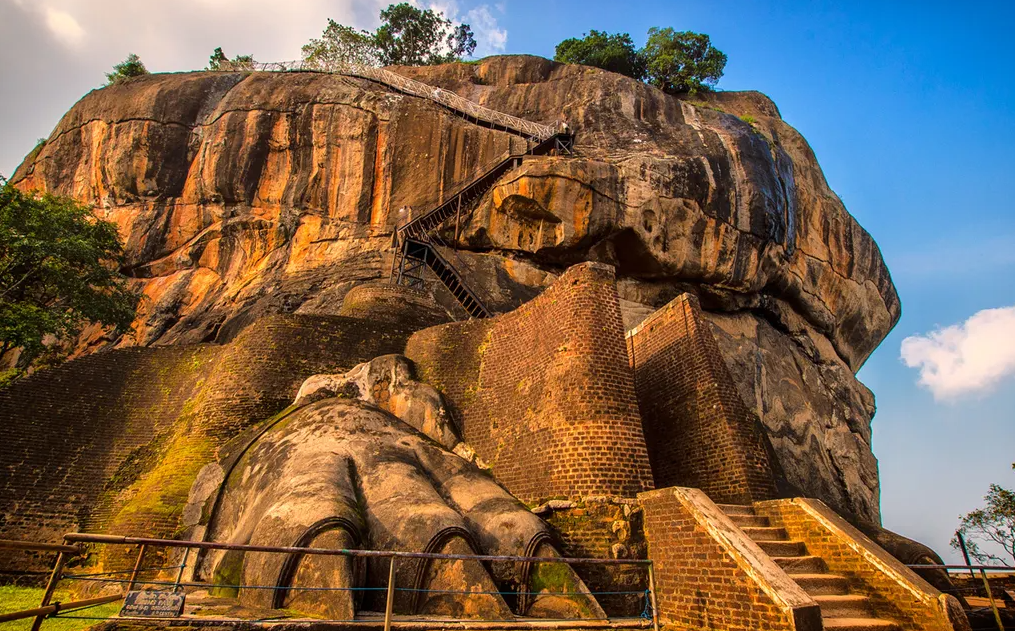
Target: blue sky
910 107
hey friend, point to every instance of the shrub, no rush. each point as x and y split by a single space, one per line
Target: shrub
126 69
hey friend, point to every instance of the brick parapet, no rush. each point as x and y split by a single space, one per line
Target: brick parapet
387 303
710 575
545 393
896 592
699 431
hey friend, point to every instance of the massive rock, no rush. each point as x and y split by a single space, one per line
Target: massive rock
240 194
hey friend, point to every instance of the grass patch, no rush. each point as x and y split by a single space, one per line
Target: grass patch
20 598
750 120
707 106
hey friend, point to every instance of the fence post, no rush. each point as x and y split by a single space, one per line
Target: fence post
183 566
54 578
391 595
965 553
993 605
652 596
137 567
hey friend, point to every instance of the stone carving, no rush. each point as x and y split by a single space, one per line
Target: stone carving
389 383
343 473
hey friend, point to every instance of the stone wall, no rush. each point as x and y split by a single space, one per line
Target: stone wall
604 528
709 575
895 591
698 430
544 393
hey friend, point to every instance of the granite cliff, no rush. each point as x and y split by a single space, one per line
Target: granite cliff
243 194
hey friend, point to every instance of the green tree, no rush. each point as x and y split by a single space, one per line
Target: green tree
420 37
613 52
340 44
992 525
129 67
59 270
219 61
682 61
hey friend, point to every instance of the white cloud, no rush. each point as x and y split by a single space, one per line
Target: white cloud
64 26
965 358
490 38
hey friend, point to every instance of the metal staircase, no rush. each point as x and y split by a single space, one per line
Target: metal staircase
418 244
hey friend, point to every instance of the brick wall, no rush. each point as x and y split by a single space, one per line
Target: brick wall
708 577
112 442
76 436
545 393
895 591
698 430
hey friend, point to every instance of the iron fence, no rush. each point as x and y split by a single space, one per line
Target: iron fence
463 106
139 576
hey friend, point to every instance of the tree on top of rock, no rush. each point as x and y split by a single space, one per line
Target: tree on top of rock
673 61
407 36
682 61
615 53
420 37
219 61
340 44
126 69
59 270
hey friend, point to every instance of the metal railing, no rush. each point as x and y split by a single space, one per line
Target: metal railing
972 569
406 85
129 579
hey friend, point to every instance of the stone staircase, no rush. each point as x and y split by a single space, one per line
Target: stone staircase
840 608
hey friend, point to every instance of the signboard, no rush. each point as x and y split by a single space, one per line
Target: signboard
152 604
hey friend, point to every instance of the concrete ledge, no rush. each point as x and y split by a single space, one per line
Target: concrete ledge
709 574
896 592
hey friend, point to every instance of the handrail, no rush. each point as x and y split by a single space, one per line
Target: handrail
409 228
211 545
431 250
989 568
409 86
9 544
58 607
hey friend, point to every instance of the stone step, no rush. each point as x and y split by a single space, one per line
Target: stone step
859 624
801 565
746 521
845 606
783 548
822 584
736 509
765 533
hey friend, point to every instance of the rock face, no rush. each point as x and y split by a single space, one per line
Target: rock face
242 194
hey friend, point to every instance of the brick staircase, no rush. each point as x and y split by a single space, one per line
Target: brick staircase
840 608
